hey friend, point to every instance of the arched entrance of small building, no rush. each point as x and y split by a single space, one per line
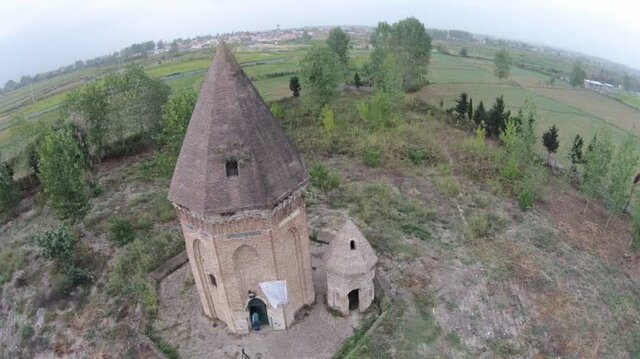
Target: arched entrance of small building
256 305
354 299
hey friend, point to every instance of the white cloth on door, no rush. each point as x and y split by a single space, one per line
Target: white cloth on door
275 291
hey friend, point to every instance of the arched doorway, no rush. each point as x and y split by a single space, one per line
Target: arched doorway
354 299
256 305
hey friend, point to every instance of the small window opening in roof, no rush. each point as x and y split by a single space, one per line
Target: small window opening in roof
353 245
232 168
213 281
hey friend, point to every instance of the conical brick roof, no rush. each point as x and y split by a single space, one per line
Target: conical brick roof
231 122
345 260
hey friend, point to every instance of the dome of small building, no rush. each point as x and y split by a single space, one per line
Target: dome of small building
349 252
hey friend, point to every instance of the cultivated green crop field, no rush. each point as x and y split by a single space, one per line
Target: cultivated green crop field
573 111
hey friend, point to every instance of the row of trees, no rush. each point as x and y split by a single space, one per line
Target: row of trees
129 53
493 121
398 63
121 113
601 170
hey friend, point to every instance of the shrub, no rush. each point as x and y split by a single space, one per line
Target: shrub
479 225
328 119
11 260
277 111
26 331
371 157
417 156
448 186
57 244
121 231
128 278
322 178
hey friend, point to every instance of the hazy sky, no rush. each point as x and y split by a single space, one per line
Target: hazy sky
37 36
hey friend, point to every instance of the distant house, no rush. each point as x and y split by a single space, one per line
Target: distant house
599 86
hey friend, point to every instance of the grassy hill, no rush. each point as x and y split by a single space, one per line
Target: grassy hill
470 273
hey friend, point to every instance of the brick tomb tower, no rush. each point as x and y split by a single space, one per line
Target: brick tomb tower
237 189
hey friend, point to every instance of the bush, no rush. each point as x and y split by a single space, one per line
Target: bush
371 157
418 156
479 225
26 331
128 278
11 260
57 244
121 231
322 178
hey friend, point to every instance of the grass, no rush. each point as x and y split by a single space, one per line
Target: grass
390 216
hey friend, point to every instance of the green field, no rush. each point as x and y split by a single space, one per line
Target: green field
269 69
573 111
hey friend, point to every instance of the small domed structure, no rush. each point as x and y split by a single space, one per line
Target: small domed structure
350 265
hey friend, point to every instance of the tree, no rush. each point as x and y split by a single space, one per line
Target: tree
10 85
9 191
518 166
597 160
501 63
480 115
464 52
497 118
462 105
384 108
629 82
176 114
123 108
356 80
340 43
623 168
135 106
578 75
470 109
63 174
409 42
321 75
294 86
575 154
90 105
550 140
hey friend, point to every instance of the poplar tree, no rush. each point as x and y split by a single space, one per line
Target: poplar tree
9 191
480 115
63 174
502 62
550 141
623 168
597 160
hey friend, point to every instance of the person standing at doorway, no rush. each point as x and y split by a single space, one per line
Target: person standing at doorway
255 321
